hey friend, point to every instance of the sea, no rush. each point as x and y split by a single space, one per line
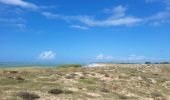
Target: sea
27 64
32 64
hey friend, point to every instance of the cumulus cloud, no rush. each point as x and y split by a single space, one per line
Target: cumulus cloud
47 55
118 11
20 3
103 57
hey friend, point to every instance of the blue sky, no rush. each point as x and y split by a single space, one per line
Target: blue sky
76 31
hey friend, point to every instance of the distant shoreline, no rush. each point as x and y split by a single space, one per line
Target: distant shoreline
56 65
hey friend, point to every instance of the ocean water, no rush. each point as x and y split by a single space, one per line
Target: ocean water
32 64
26 64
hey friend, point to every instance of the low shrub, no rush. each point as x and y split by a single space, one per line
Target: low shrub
59 91
55 91
69 77
69 65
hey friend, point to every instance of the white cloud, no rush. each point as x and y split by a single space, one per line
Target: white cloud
47 55
161 17
117 18
20 3
79 27
51 15
103 57
111 21
118 11
135 57
118 15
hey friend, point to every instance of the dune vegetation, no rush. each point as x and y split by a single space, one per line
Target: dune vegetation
69 65
112 82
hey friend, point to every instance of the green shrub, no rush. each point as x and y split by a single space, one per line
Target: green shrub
69 65
55 91
59 91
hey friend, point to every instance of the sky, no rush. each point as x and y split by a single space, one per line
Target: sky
79 31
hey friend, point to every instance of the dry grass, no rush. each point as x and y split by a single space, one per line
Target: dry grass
112 82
